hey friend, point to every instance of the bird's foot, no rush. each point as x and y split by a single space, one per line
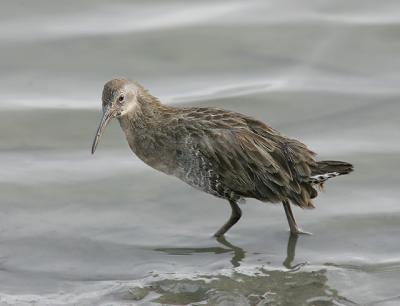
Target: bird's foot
298 231
219 235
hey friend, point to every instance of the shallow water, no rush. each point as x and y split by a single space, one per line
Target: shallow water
77 229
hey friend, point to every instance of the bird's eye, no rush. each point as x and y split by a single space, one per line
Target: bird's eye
121 98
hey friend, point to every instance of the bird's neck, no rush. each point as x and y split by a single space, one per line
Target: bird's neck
146 114
143 129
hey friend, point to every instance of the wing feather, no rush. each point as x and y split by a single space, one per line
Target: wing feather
254 160
249 164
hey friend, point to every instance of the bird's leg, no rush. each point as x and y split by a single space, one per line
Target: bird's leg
294 229
235 216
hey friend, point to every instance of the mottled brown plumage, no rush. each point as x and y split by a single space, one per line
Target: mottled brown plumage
223 153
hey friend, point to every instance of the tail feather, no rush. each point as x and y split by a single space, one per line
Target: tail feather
327 169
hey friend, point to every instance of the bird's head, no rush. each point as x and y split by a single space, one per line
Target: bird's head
120 98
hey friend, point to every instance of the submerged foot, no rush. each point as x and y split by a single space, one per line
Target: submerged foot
218 235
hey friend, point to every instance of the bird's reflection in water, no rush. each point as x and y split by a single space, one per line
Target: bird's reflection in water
291 253
265 287
238 254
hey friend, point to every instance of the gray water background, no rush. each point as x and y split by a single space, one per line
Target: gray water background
77 229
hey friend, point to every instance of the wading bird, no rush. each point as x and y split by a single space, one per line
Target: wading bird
224 153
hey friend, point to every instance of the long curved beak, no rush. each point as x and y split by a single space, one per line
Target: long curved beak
108 114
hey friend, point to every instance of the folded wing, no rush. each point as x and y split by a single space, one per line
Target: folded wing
265 166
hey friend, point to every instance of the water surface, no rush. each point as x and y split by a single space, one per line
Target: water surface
77 229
